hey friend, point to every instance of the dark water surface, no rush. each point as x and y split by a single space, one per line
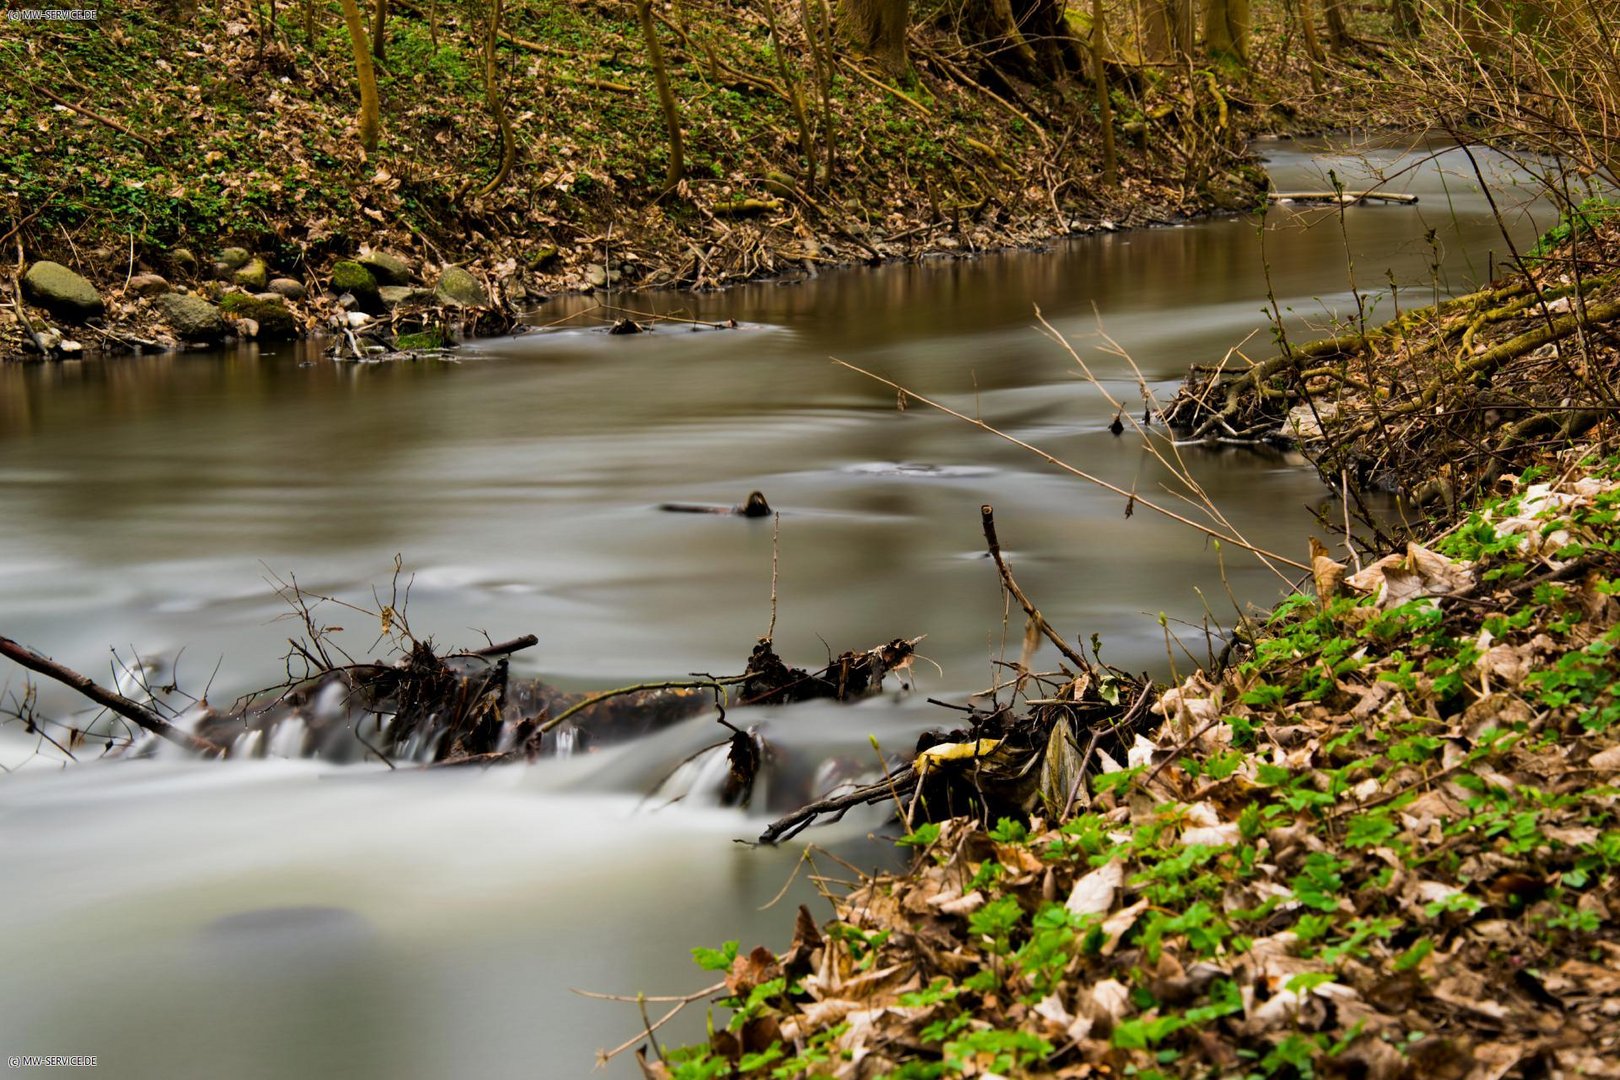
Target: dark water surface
294 919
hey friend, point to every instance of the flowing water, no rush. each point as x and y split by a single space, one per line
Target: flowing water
293 918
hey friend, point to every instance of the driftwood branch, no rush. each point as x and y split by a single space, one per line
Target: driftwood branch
1345 197
506 648
118 703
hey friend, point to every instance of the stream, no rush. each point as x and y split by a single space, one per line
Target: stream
294 918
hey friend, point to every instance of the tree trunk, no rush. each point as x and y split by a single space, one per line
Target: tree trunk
492 95
1407 17
1099 75
365 73
379 29
1339 36
1226 29
1027 38
1045 26
1314 56
666 96
1153 30
878 29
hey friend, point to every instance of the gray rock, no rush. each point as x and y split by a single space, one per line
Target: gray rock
193 318
45 341
222 271
235 257
458 287
395 295
255 275
148 285
62 292
184 258
70 348
287 287
387 268
599 275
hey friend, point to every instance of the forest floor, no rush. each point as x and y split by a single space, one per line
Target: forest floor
1379 838
157 140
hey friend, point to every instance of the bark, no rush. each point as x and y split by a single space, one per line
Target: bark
1338 24
1153 30
666 96
878 29
365 73
379 29
492 95
1226 29
1099 74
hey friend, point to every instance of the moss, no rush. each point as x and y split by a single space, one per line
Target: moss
349 276
433 337
276 323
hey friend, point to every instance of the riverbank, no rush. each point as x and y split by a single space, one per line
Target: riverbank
214 152
1379 839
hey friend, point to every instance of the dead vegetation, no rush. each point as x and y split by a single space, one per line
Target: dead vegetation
1443 400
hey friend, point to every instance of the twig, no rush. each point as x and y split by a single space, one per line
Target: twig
605 1056
776 535
988 516
118 703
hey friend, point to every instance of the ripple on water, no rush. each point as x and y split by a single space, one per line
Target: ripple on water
919 470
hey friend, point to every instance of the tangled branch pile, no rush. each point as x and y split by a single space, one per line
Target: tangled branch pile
1443 400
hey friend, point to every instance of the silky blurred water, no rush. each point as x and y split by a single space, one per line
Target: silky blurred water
286 919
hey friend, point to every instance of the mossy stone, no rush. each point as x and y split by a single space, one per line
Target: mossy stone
350 277
276 323
62 292
255 275
458 287
235 257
